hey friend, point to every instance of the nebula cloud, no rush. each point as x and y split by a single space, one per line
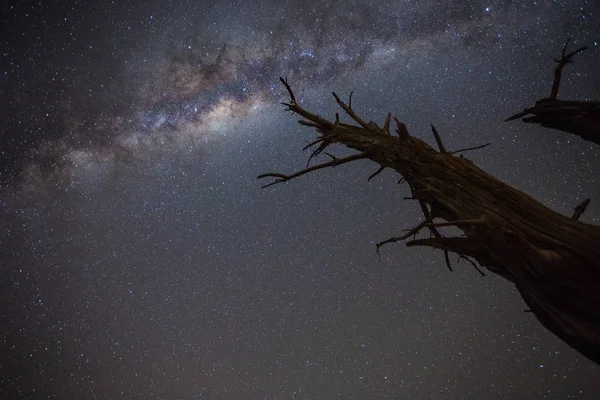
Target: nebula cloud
176 88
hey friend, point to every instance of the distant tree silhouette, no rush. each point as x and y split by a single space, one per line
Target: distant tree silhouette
581 118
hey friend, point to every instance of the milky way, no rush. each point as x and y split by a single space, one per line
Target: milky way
179 81
141 258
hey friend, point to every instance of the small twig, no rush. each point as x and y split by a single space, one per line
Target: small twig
472 263
332 156
317 151
376 173
438 139
564 49
311 144
350 100
320 123
350 112
518 115
401 180
580 209
284 178
447 258
410 233
470 148
567 57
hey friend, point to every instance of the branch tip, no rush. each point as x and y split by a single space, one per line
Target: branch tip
350 112
373 175
580 209
438 139
289 90
469 148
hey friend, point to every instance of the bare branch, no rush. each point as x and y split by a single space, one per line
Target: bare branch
289 89
335 162
332 156
438 139
326 142
318 151
349 111
311 144
411 232
518 115
470 148
376 173
565 59
580 209
447 258
564 49
472 263
293 106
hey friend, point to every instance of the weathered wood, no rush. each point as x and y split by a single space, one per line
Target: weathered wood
552 259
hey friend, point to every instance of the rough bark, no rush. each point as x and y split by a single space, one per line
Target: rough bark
581 118
553 260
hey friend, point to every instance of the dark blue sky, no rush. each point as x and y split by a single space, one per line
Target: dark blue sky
141 259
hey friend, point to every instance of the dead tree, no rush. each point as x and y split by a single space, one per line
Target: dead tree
581 118
553 260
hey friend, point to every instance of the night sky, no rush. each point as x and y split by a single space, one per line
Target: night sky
141 259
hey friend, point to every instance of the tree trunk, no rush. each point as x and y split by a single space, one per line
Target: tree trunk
553 260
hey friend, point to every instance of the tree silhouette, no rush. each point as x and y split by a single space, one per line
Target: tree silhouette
581 118
553 260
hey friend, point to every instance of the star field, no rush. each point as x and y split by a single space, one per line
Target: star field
141 259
